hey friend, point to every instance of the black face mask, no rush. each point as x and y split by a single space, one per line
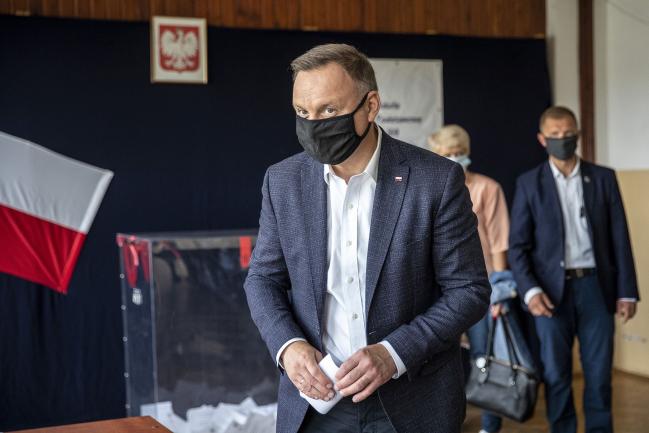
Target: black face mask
561 148
333 140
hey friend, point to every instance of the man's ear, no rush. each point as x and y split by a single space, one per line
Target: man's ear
373 104
541 139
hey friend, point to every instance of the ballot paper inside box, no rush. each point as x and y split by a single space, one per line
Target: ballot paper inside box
190 344
245 417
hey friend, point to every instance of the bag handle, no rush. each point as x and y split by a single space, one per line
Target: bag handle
513 356
511 350
484 369
511 343
490 338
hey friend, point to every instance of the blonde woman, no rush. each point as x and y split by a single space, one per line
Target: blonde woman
490 207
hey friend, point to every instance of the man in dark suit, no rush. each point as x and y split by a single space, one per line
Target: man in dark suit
367 251
570 253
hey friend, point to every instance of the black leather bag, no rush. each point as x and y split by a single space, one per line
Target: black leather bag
503 387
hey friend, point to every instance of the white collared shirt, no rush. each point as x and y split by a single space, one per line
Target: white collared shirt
348 226
577 244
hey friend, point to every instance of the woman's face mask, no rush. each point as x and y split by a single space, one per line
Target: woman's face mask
463 160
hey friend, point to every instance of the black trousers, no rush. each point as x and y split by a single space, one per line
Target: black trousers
367 416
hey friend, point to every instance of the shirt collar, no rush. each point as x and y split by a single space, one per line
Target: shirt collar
557 173
372 167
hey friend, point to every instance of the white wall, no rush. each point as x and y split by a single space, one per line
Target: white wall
621 61
563 51
621 32
621 56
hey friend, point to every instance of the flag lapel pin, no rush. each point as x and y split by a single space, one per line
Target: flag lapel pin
398 178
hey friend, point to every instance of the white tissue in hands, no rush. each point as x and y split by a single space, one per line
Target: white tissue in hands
329 368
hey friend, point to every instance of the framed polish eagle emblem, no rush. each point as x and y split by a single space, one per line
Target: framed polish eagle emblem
178 50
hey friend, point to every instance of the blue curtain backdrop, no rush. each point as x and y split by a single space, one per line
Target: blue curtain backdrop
191 157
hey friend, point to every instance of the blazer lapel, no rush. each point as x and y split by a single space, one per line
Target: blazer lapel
388 198
314 205
588 188
551 199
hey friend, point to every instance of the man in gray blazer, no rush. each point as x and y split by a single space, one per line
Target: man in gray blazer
367 251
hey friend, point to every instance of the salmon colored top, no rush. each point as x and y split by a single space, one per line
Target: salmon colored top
490 207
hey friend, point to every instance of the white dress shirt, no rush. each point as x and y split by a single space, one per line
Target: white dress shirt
577 244
348 227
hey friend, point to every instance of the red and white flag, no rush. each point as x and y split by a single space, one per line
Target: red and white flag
47 205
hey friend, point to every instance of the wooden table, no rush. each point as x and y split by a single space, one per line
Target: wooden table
140 424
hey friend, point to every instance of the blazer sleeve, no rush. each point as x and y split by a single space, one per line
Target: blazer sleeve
268 282
627 285
521 241
460 273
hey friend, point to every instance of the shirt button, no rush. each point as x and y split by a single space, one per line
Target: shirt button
350 279
561 264
348 243
351 206
354 316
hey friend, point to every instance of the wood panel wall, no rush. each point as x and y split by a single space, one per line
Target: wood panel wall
491 18
586 80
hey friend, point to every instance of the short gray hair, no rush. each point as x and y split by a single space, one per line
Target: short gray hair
557 112
349 58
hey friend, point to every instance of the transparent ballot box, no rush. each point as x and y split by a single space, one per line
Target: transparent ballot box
194 359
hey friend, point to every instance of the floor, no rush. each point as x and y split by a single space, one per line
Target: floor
630 408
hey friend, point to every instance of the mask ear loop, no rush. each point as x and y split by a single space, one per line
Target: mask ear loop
358 107
367 130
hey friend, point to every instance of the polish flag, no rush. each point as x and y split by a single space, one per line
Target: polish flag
47 205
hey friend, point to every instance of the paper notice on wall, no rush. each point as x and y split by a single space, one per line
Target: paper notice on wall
412 103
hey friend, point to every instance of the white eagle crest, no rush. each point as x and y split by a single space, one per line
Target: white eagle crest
179 49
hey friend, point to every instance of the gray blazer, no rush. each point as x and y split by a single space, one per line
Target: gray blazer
426 278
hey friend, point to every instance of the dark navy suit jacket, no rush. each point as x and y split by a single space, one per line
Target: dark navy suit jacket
536 240
426 279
